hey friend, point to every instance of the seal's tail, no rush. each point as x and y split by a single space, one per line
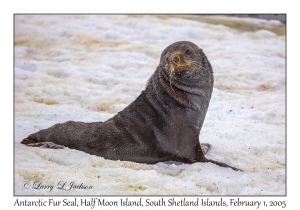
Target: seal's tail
31 139
27 141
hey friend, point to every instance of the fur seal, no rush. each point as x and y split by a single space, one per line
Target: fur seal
162 124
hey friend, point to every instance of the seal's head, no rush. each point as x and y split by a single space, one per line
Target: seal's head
185 61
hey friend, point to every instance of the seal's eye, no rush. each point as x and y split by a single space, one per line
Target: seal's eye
188 52
167 59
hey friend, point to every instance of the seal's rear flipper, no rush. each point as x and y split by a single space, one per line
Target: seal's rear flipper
50 145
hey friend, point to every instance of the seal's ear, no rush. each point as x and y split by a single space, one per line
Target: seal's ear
160 63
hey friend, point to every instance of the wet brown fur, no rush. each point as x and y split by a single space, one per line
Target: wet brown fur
162 124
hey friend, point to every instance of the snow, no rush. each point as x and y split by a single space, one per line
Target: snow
89 67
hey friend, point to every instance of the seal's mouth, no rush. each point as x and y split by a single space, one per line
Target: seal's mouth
181 69
180 62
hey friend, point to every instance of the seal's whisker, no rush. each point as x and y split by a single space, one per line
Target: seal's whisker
201 65
198 64
171 70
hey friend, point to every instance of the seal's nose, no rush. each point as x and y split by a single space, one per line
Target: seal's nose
175 59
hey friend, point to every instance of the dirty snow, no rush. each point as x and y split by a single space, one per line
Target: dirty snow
89 67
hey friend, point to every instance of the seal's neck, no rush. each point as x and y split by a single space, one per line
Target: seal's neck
186 94
176 93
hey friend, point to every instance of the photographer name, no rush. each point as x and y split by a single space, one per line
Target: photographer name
62 185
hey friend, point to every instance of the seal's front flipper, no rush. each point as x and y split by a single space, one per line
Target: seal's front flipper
50 145
222 164
205 147
203 159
